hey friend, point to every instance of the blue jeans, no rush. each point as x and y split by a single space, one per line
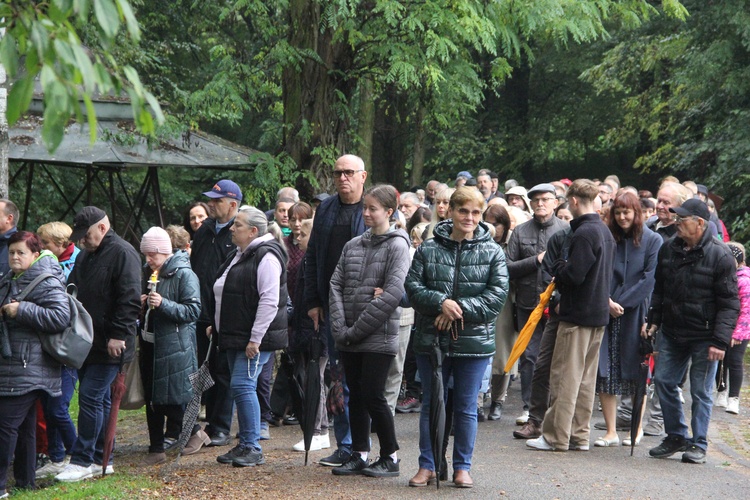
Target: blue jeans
467 378
243 385
341 429
673 362
93 412
61 432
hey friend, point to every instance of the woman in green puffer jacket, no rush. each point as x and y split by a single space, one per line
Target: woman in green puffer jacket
167 353
457 285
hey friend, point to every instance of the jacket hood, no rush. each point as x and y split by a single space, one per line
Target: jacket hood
444 229
370 239
45 263
176 262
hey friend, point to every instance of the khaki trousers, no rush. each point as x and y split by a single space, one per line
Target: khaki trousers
572 385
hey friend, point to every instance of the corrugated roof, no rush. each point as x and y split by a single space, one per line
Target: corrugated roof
117 145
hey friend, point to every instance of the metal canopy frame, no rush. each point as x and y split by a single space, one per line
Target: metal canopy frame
107 158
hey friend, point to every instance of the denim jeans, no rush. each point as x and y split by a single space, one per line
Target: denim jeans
93 412
61 432
673 362
341 428
467 377
243 386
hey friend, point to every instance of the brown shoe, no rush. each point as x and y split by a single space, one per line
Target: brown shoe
196 442
462 479
155 458
530 430
423 477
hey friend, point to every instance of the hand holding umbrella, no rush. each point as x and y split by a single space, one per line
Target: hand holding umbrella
528 330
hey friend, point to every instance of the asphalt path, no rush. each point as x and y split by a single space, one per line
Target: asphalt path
504 467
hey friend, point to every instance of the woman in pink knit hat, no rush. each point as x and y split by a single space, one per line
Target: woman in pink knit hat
171 305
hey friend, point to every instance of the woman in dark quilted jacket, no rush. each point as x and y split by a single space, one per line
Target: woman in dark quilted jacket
366 290
26 371
457 285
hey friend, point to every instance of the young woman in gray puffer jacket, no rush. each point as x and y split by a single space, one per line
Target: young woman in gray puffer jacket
366 290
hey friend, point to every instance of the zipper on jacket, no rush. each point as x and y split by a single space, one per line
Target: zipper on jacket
456 271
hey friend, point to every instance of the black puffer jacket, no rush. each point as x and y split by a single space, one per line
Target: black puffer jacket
208 252
471 272
240 298
109 287
45 310
360 322
695 297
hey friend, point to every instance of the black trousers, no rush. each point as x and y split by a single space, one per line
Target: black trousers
264 390
732 368
366 374
18 437
156 414
218 399
413 388
539 390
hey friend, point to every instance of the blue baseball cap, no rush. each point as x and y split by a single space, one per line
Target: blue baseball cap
464 174
225 189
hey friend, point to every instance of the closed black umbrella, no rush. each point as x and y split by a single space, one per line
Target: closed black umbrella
4 339
437 408
312 392
294 372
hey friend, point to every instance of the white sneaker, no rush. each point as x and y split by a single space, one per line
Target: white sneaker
540 444
523 418
318 443
74 473
96 470
721 399
53 468
733 406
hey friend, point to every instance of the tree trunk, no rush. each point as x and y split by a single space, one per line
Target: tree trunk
4 142
366 120
316 127
417 166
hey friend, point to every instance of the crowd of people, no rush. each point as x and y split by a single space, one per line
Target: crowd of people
414 297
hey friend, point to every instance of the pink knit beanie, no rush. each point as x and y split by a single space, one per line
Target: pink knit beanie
156 240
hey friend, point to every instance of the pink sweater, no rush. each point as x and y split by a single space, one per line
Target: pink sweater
742 330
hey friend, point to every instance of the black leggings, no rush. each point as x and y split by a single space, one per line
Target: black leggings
366 373
733 364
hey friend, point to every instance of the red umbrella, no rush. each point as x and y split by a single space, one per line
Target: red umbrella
117 391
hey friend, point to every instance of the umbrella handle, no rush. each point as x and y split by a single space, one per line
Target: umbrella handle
210 346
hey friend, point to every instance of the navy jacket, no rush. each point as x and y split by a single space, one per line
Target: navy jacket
584 278
316 287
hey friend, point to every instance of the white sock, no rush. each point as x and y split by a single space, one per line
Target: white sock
394 457
363 454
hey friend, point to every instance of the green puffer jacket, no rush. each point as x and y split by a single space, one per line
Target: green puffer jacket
174 330
471 272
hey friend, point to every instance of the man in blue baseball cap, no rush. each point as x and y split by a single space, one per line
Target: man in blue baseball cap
212 244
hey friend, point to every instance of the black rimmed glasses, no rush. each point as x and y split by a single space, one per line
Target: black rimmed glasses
348 173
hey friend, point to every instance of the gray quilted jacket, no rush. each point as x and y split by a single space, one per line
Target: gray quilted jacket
44 311
360 322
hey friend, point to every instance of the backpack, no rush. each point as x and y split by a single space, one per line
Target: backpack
71 346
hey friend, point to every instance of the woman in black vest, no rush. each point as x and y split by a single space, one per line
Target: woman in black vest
250 295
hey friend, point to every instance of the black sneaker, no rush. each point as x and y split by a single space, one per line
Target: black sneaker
382 467
480 414
229 456
694 455
248 457
496 411
668 447
336 459
352 467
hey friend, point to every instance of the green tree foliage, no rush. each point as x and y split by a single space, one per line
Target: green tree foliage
685 90
42 39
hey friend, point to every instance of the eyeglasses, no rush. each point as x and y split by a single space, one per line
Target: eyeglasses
465 212
348 173
542 200
679 219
